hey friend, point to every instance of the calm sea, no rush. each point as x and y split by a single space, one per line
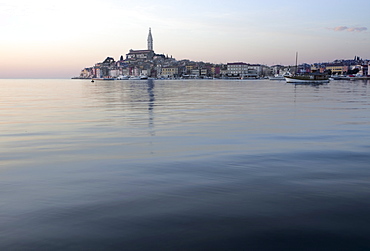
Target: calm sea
184 165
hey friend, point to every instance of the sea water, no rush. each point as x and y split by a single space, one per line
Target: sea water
184 165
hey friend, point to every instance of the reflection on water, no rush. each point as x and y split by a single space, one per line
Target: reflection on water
151 104
184 165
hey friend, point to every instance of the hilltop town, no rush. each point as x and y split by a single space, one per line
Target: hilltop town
147 63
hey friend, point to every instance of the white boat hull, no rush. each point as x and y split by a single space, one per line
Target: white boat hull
276 78
306 81
123 78
105 79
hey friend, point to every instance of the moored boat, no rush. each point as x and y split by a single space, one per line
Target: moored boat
306 78
134 78
103 78
123 77
277 77
311 78
352 78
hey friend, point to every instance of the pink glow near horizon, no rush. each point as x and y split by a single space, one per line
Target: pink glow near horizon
44 39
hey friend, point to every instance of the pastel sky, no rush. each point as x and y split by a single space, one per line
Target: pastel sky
56 39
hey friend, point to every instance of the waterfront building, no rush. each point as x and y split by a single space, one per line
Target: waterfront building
318 67
241 70
223 71
97 72
114 73
237 70
278 70
170 72
87 73
204 72
124 71
216 71
189 68
258 70
194 73
304 68
337 69
134 71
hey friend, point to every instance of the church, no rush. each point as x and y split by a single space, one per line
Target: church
144 55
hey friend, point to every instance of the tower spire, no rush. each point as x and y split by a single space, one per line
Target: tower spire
150 40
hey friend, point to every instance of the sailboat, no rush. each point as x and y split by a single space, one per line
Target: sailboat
306 78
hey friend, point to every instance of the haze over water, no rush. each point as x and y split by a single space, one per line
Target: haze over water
184 165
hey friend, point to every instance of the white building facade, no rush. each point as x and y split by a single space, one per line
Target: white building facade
241 70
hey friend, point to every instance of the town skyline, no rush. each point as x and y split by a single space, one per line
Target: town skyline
56 40
146 63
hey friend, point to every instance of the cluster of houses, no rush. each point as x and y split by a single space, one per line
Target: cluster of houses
356 66
168 67
149 64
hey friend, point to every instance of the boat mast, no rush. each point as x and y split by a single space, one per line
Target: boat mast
296 62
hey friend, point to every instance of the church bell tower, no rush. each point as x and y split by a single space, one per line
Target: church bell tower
150 40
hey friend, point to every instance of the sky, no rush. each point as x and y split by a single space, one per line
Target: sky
56 39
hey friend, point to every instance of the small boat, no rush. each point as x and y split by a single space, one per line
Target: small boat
306 78
135 78
277 77
103 79
335 77
353 78
310 78
123 77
